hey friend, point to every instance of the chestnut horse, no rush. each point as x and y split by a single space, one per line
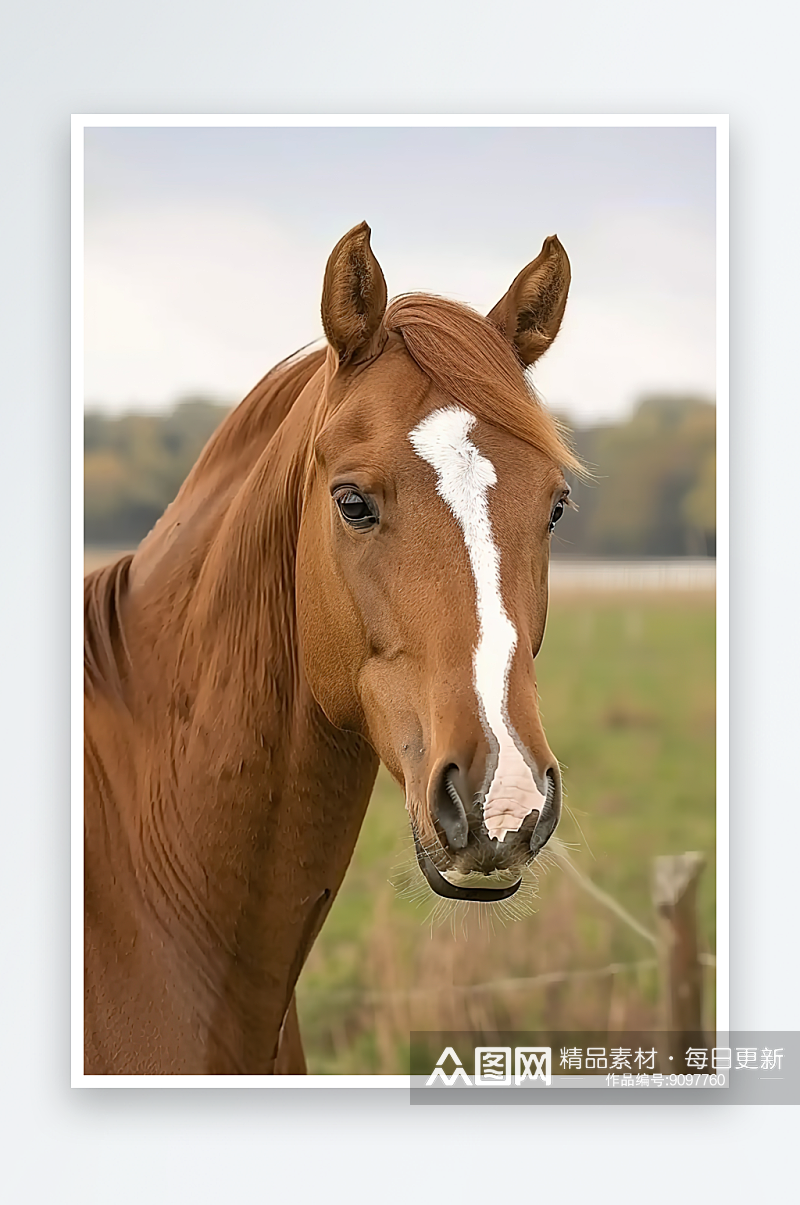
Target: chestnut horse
355 569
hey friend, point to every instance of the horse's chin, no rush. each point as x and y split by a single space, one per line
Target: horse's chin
461 886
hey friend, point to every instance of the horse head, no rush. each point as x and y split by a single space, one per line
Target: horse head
435 480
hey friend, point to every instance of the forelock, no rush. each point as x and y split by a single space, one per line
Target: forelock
467 358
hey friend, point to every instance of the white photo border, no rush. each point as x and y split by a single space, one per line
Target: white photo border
81 122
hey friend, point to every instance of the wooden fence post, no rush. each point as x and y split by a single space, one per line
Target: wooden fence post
675 900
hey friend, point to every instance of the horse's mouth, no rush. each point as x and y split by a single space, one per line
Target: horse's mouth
442 886
537 830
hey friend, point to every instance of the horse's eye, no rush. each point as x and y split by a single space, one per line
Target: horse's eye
558 511
355 509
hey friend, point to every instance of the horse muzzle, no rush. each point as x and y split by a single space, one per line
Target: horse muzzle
469 851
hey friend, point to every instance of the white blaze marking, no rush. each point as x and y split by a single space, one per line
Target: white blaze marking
463 479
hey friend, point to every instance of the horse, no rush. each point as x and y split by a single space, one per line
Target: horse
355 570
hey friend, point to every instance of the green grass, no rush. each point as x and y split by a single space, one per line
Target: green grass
627 694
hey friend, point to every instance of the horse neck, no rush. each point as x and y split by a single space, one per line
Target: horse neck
252 801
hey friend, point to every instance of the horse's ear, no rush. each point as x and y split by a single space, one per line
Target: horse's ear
353 297
530 313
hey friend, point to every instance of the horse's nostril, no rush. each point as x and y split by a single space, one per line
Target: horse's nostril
550 815
449 810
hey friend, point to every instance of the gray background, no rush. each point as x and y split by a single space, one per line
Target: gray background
185 57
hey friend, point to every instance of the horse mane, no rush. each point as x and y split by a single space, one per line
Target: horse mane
468 358
240 437
260 413
103 634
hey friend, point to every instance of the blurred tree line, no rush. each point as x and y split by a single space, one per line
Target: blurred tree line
654 487
653 492
134 465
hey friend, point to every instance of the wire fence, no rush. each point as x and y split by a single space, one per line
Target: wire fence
682 574
532 983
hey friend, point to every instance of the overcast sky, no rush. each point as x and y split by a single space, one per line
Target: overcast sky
205 249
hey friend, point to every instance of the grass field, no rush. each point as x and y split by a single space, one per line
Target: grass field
628 699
